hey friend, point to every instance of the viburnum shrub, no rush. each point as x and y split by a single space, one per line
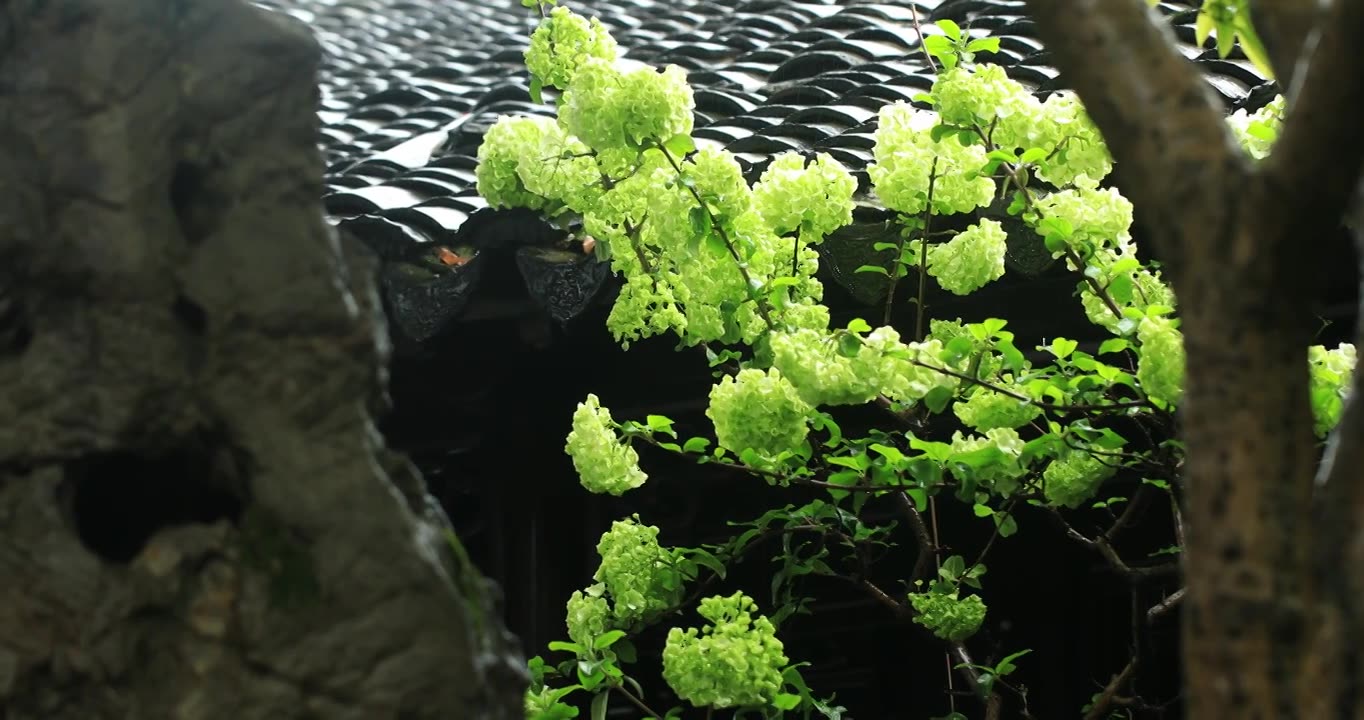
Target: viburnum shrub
731 267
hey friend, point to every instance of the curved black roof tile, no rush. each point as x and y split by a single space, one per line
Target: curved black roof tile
409 88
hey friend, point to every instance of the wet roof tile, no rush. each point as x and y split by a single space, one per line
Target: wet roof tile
408 88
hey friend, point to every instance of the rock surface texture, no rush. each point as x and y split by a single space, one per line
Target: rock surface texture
197 517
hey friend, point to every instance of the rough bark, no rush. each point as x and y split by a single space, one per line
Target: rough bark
1273 626
1286 27
197 516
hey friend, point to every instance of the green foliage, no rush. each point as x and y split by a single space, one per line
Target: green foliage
948 615
1257 131
730 267
1330 373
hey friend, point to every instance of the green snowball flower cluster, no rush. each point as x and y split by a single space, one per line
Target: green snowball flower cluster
605 462
1160 369
1256 132
902 380
735 661
971 259
1076 152
1099 218
810 360
563 42
988 410
719 180
609 108
983 96
904 157
505 149
638 574
644 308
815 199
1331 371
760 410
1002 478
1144 288
947 615
678 258
589 615
1074 478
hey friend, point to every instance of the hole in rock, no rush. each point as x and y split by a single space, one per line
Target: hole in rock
15 330
190 314
120 499
186 198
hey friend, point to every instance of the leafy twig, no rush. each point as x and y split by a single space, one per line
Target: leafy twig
1105 700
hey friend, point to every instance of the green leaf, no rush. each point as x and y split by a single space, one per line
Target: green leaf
1062 347
989 44
536 88
607 639
857 462
1120 289
700 222
891 454
949 28
873 268
680 145
1114 345
1002 156
938 451
849 345
1006 523
920 498
599 704
562 646
708 559
939 46
858 325
661 424
786 701
1008 664
992 326
956 349
1032 155
983 510
696 445
952 568
1203 26
844 478
590 674
1013 357
937 399
940 131
1039 448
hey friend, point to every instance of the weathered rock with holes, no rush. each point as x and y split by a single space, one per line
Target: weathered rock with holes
197 517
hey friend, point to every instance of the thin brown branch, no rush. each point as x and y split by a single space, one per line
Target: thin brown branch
1105 700
1110 554
928 550
1173 149
1170 602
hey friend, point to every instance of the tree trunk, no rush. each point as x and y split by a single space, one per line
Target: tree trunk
198 518
1274 563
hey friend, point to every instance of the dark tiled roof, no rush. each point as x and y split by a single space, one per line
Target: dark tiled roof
409 87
